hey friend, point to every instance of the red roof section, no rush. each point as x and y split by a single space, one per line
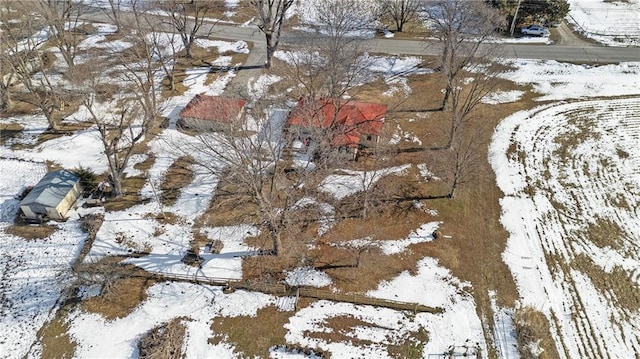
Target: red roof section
353 118
213 108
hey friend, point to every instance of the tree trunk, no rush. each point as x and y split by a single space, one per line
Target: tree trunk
53 124
5 99
447 94
277 243
117 185
187 49
270 49
172 82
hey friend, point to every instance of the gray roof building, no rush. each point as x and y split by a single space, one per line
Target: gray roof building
52 197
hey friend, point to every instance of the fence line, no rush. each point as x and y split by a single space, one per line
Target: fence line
280 289
609 31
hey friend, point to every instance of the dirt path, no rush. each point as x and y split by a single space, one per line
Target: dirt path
568 38
249 72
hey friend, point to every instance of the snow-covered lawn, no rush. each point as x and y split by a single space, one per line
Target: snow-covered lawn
33 273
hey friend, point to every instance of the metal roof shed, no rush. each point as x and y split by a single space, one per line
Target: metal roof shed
52 197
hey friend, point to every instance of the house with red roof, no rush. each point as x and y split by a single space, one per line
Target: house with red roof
350 126
211 113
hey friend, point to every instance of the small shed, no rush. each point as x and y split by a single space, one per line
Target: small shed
52 197
211 113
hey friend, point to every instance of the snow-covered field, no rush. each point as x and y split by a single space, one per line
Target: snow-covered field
33 273
571 177
570 172
613 23
570 165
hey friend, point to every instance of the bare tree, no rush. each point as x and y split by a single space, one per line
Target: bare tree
465 161
62 18
118 135
164 46
248 155
401 12
478 80
118 132
115 13
270 17
329 68
186 17
142 62
461 27
23 63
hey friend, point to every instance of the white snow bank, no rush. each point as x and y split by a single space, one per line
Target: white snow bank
559 81
307 276
352 182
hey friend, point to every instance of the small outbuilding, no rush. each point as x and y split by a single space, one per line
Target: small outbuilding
212 113
52 197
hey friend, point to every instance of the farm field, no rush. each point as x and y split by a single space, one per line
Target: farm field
571 177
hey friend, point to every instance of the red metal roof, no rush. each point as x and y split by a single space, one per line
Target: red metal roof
352 118
213 108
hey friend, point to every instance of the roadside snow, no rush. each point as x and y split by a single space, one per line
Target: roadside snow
558 81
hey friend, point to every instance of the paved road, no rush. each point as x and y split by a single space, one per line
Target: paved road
592 53
579 54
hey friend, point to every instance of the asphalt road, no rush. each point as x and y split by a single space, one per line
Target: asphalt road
576 54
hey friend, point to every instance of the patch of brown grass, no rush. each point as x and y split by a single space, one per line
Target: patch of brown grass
120 298
179 174
54 337
229 206
132 186
615 285
252 336
342 326
533 327
411 347
242 12
30 232
606 233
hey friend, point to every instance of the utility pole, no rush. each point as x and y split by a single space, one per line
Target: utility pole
515 16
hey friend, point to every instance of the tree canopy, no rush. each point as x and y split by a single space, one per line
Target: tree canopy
533 10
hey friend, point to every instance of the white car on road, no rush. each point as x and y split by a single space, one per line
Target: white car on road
535 30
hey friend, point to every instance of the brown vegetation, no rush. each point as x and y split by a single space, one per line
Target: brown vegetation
252 336
163 342
119 297
179 174
532 330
